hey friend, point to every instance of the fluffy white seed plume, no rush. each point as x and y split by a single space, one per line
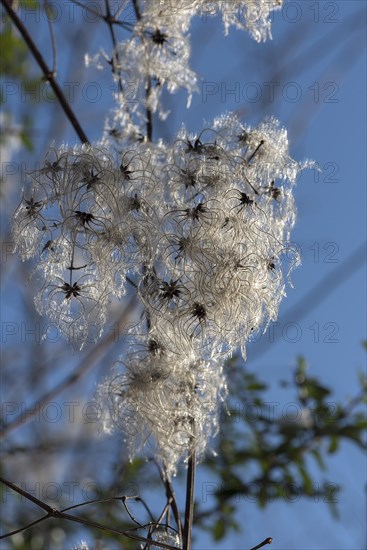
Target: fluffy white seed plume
216 278
203 226
251 15
86 222
163 403
156 56
81 546
168 536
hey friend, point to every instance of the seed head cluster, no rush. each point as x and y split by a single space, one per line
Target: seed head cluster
156 55
202 226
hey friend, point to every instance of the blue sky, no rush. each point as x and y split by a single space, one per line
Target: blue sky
326 124
316 64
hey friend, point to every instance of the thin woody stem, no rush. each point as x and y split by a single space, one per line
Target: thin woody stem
189 508
52 36
115 56
149 113
115 59
269 540
170 495
54 513
173 503
48 74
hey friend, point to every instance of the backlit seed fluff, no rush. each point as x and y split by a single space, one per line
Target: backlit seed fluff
202 225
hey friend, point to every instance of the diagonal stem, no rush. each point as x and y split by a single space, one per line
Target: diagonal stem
27 495
269 540
171 498
54 513
189 507
48 74
149 114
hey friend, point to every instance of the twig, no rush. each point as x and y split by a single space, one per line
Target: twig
149 111
110 20
87 7
122 499
189 507
137 9
354 402
52 36
125 24
131 282
158 523
121 8
48 74
171 497
115 56
53 513
93 501
269 540
25 527
28 496
137 499
149 114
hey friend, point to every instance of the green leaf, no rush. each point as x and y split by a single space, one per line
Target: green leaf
317 456
334 444
26 141
30 4
219 529
14 53
256 386
316 390
307 481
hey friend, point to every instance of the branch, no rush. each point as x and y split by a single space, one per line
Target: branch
53 40
171 498
124 24
170 495
110 20
149 111
53 513
189 507
269 540
48 74
115 55
88 8
28 496
148 84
